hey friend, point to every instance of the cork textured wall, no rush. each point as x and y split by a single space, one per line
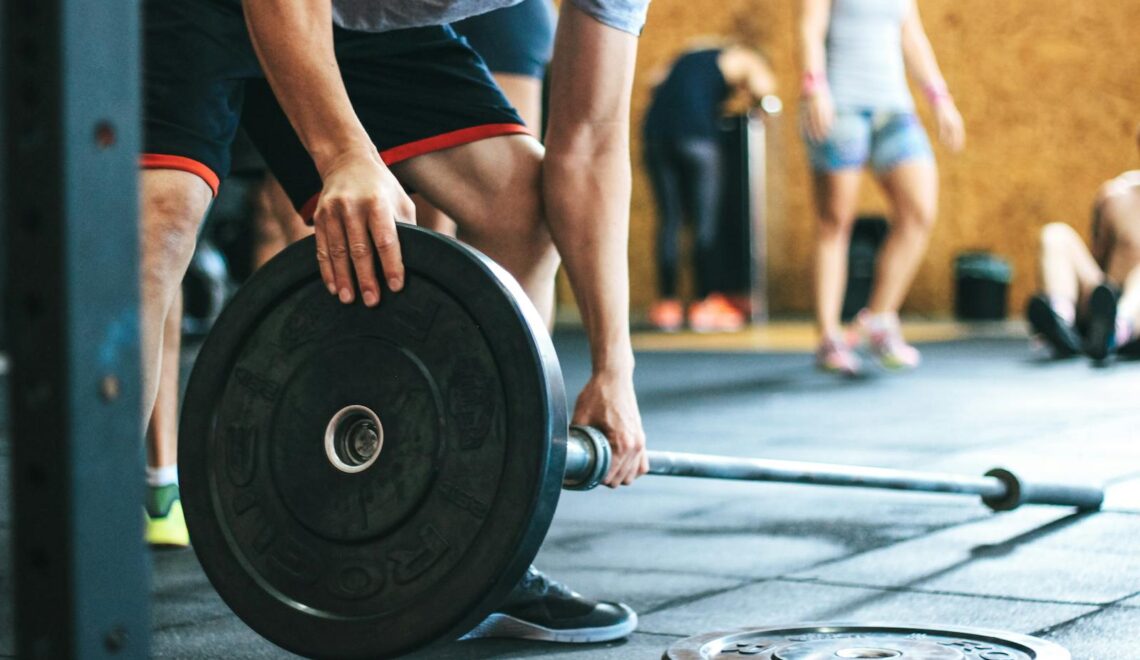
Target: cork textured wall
1050 93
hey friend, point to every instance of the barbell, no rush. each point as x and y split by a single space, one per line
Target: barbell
364 482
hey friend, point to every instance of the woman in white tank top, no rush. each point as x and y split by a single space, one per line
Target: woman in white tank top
858 110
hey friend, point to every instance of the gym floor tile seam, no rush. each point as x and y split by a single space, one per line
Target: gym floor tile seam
1060 626
943 592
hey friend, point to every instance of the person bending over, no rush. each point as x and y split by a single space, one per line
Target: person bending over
684 160
516 43
351 100
1090 298
858 110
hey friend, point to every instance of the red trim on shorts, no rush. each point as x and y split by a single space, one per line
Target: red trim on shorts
448 140
426 146
182 163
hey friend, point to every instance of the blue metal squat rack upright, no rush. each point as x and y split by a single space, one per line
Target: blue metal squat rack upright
69 111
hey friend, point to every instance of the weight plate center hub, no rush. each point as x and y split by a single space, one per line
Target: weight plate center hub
353 439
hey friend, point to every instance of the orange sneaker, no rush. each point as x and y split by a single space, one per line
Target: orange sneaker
715 314
667 315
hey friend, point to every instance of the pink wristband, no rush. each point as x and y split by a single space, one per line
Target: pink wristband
813 82
936 93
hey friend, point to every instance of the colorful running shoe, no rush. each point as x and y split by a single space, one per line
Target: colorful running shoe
165 522
667 315
835 356
715 314
885 341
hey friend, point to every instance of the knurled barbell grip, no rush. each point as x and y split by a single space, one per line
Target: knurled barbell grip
588 461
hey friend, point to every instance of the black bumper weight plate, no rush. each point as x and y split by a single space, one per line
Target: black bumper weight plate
423 543
833 641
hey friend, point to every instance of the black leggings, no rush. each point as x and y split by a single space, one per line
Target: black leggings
686 177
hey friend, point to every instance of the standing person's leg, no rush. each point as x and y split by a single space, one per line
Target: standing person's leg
904 165
912 189
837 170
166 526
665 181
173 205
1068 275
702 180
836 197
196 54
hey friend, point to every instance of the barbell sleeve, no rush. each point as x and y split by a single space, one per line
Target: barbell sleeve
588 460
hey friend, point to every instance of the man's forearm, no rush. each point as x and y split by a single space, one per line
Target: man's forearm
587 203
293 39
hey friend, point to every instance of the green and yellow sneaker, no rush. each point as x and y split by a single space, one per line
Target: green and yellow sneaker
165 523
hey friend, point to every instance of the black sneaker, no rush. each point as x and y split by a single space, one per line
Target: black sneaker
1101 337
1061 336
543 609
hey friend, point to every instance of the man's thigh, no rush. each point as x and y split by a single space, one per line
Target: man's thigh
485 186
197 56
417 93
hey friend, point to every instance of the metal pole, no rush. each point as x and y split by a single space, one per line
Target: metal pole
678 464
756 192
588 460
71 97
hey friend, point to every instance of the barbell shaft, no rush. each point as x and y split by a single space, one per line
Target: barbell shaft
588 460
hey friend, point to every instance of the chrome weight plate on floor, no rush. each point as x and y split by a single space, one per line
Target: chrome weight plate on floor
821 641
363 482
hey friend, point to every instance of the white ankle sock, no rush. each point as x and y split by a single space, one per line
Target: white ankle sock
882 321
161 476
1123 331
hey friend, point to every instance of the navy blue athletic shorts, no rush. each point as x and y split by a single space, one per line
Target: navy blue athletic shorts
517 39
416 91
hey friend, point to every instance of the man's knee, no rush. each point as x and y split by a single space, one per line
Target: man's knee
515 211
173 205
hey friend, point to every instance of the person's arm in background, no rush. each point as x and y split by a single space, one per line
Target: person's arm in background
586 188
749 71
361 199
921 64
818 107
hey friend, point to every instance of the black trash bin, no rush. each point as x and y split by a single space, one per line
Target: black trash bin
982 286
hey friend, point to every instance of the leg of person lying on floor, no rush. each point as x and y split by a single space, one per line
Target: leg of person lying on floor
1068 273
470 160
1116 245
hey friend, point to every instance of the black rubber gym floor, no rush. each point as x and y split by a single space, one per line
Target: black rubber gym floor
694 556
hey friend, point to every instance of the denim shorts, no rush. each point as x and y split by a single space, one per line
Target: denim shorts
885 138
